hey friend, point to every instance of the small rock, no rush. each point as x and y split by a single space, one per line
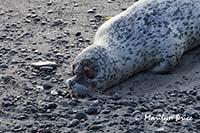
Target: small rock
80 116
7 103
197 108
87 40
110 1
54 92
81 39
91 11
198 97
76 5
95 127
73 123
143 109
198 126
106 111
157 111
92 110
50 11
130 110
47 86
17 128
49 3
98 15
50 106
44 64
160 130
3 66
116 97
39 88
57 22
78 33
123 8
2 12
46 68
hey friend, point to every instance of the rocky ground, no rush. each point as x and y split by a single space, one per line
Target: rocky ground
34 98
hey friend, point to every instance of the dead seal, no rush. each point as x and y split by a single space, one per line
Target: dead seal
149 35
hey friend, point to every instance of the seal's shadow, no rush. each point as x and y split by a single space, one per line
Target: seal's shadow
185 75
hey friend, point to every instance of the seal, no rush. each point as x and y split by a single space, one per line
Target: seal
149 35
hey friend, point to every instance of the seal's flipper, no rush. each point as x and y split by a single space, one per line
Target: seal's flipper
163 67
166 65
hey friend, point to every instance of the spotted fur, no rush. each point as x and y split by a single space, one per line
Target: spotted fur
151 34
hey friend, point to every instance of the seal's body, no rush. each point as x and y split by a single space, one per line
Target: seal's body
151 34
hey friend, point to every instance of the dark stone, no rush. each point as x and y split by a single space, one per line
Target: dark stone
106 111
91 11
197 107
95 126
198 97
73 123
160 130
116 97
80 116
98 15
78 33
57 22
51 106
47 86
92 110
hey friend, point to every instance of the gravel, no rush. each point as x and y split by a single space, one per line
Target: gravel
38 42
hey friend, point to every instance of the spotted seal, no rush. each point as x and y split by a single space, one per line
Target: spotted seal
149 35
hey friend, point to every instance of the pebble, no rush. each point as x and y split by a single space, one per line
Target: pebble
91 11
73 123
50 106
110 1
80 116
198 126
98 15
116 97
92 110
47 86
76 5
143 109
17 128
44 64
160 130
3 66
50 11
95 126
198 97
197 107
2 12
130 110
54 92
49 3
39 88
46 68
106 111
78 33
57 22
7 103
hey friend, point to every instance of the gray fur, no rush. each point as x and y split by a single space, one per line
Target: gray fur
151 34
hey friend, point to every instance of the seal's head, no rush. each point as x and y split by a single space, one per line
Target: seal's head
89 70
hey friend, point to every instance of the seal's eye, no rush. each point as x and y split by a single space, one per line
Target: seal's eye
89 73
